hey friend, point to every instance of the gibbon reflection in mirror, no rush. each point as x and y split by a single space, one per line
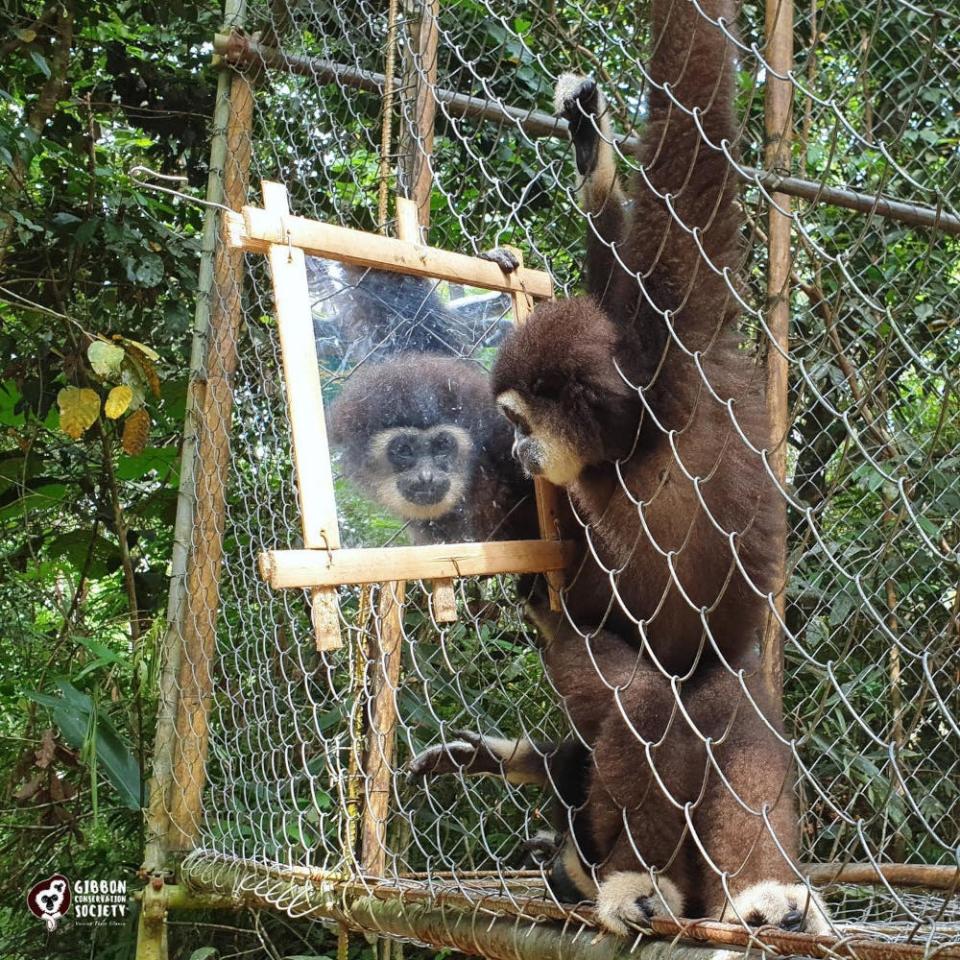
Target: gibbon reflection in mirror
420 435
363 315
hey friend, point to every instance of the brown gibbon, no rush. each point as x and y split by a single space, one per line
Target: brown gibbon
641 402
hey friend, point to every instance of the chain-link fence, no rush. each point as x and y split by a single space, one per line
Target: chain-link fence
306 784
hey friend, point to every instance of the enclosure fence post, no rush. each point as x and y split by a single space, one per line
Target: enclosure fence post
419 105
778 120
210 478
382 729
157 814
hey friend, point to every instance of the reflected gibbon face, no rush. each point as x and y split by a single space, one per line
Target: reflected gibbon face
420 474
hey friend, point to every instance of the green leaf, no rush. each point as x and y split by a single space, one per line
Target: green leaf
74 713
105 358
203 953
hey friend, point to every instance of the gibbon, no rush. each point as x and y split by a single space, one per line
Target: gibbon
634 397
641 402
420 435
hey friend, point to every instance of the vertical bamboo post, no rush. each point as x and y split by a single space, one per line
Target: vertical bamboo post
311 452
548 503
215 410
157 817
381 736
443 601
778 125
419 104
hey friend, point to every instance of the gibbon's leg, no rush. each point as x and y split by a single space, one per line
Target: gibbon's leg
587 668
748 824
647 766
473 754
579 101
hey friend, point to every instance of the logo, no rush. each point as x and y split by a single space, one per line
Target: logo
49 900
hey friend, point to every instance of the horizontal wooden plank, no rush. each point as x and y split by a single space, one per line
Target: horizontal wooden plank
285 569
256 229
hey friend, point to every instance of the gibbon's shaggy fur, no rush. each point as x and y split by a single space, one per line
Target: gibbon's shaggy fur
637 399
421 436
634 397
621 831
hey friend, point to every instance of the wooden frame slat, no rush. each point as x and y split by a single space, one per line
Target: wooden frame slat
311 457
256 230
296 569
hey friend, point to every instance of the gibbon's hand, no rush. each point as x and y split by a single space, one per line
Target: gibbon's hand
505 259
450 757
579 101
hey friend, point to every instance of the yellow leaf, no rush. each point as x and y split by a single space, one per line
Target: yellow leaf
117 402
79 409
142 347
136 430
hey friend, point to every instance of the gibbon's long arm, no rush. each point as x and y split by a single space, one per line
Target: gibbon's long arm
685 181
581 103
690 114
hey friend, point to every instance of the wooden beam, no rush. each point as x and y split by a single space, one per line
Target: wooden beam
311 452
256 229
297 569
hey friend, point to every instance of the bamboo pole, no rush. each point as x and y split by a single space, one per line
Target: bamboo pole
537 123
157 819
422 35
778 121
212 465
311 452
382 729
440 916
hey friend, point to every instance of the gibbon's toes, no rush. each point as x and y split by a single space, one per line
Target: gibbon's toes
542 848
632 899
444 758
505 259
789 906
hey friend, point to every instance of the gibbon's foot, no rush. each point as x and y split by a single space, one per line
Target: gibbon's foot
579 101
789 906
542 848
505 259
632 899
448 757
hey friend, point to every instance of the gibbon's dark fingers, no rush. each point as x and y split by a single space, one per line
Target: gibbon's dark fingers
505 259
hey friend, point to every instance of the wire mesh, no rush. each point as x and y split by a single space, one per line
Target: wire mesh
872 613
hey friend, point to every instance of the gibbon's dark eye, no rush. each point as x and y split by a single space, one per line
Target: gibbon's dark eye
443 449
402 452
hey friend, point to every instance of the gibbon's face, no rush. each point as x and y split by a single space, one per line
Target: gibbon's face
556 381
541 450
421 474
